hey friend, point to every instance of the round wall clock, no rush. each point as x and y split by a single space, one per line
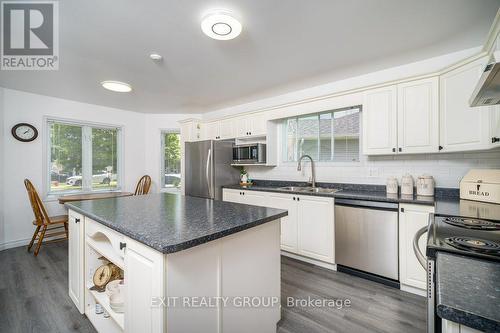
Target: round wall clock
24 132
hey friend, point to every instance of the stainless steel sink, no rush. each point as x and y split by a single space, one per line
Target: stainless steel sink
292 188
309 189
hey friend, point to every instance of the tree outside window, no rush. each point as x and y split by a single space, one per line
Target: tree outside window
171 168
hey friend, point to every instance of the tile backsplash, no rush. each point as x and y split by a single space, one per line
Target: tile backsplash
447 169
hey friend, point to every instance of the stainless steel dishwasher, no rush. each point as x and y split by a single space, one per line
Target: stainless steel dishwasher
366 237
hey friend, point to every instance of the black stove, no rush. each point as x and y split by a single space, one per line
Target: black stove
464 235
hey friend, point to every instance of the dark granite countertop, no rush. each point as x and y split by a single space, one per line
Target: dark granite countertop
468 291
170 222
354 191
468 208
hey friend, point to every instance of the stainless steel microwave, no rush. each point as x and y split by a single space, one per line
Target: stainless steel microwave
253 153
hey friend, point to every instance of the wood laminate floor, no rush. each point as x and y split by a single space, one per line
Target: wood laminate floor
34 298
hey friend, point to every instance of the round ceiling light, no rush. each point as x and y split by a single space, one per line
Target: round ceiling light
116 86
220 25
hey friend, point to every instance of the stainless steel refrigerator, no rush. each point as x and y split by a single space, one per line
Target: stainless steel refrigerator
208 168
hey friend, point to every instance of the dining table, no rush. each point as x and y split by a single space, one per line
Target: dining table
92 196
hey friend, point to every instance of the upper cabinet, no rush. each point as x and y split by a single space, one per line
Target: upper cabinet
254 124
418 116
462 127
380 121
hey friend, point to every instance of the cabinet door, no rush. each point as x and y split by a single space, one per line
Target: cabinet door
226 130
411 219
288 223
255 198
75 260
232 195
144 279
380 121
242 126
258 123
462 127
212 130
418 116
316 228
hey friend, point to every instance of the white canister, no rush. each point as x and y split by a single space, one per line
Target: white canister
392 185
407 185
425 185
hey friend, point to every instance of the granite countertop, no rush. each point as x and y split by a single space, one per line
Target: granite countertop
468 291
354 191
170 222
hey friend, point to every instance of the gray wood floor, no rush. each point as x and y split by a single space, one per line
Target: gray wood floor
34 298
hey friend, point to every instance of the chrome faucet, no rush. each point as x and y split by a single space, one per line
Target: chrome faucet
313 172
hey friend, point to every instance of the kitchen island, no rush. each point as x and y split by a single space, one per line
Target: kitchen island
189 264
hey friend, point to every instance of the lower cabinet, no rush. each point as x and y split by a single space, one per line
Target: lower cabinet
144 276
315 218
76 260
452 327
411 219
308 230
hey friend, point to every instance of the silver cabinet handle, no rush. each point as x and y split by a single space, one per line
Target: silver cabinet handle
420 257
208 173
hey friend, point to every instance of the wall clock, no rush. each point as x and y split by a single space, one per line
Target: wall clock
24 132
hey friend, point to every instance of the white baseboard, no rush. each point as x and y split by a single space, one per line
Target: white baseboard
16 243
413 290
326 265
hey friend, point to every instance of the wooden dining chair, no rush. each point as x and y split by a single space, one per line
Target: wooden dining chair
143 185
47 228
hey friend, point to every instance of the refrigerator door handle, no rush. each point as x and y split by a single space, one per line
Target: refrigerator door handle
208 174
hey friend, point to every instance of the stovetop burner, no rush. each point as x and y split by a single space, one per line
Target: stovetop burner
472 223
474 244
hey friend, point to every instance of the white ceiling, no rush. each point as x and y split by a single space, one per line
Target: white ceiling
284 46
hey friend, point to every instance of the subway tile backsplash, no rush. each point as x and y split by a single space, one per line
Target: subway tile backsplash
447 169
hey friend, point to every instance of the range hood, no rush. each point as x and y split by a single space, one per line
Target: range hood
487 90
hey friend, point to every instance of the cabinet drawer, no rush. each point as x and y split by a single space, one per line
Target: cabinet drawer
104 240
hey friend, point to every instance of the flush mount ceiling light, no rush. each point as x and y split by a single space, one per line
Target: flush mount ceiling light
156 57
221 25
116 86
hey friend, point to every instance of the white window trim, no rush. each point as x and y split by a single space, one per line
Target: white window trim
318 162
161 181
86 155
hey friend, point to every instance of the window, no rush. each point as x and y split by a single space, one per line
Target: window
171 161
83 158
327 136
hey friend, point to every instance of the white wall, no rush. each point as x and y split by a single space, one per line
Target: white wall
26 160
155 124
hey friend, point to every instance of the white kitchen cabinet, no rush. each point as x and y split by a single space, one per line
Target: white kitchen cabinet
462 127
255 198
380 121
226 129
418 116
191 130
308 230
76 260
411 219
144 278
254 124
289 228
448 326
212 130
316 227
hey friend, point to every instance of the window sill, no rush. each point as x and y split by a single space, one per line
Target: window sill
51 197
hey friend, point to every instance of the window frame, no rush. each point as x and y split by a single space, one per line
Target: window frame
161 181
86 156
283 128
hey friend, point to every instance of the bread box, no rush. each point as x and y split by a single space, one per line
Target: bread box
481 185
